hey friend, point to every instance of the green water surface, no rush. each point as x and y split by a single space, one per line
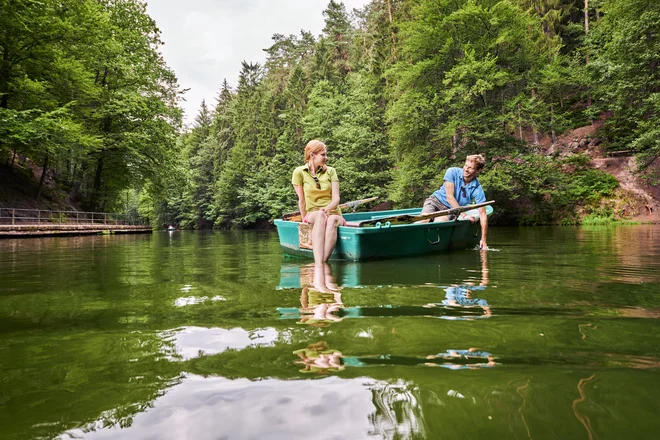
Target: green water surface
190 335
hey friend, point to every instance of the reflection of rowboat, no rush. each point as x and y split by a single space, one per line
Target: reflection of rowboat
374 238
415 271
453 299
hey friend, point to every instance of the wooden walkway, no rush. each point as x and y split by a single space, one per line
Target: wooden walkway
16 223
50 230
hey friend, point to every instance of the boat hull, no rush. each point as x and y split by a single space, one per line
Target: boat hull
384 240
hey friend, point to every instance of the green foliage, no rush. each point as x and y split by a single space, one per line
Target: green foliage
85 92
474 75
399 90
408 89
626 66
57 218
415 178
350 124
535 190
598 220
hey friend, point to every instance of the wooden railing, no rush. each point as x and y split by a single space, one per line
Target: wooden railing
16 216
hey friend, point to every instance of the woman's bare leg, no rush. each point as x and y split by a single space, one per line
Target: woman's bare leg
318 220
331 235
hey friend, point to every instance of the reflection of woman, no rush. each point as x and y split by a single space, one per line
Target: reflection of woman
320 297
317 187
319 358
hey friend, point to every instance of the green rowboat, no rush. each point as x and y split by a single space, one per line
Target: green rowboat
385 239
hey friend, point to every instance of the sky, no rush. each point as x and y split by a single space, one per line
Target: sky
206 40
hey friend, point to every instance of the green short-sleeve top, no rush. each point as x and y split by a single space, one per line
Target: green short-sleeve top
315 198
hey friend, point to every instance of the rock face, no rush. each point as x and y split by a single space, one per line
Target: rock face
644 198
638 198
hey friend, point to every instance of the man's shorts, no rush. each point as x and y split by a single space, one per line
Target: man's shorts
432 204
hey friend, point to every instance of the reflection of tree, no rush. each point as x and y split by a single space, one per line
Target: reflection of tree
398 411
619 254
90 380
586 422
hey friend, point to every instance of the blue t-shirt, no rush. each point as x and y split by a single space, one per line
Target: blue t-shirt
459 295
465 193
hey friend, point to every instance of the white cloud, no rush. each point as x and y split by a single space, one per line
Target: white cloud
206 40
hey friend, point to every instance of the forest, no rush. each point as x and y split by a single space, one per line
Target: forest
399 91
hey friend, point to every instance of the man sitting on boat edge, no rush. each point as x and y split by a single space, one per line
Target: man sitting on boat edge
461 188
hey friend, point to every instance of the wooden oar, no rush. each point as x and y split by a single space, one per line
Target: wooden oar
408 218
296 217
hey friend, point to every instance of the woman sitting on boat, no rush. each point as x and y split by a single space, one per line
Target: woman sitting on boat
317 187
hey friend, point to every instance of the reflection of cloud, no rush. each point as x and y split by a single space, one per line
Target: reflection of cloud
190 300
212 408
191 342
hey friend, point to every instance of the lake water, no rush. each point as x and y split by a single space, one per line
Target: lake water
553 334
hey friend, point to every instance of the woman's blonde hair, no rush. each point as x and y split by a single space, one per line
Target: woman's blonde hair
313 146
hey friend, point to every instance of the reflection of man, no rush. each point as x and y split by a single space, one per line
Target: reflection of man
471 358
461 188
461 294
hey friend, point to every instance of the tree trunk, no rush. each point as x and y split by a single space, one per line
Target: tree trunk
534 131
552 124
586 17
73 195
5 71
13 158
44 168
4 100
97 181
389 11
586 34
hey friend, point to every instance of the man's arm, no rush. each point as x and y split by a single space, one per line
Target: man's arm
449 188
